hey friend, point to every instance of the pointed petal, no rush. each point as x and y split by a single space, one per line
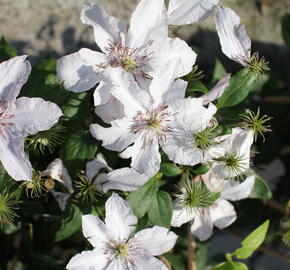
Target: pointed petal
202 226
156 240
13 74
57 171
78 71
125 179
94 230
223 214
217 91
106 27
94 166
180 214
115 138
120 220
32 115
181 12
87 260
148 22
234 40
234 191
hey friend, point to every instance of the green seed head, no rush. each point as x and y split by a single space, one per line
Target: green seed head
88 191
7 208
205 138
234 162
257 64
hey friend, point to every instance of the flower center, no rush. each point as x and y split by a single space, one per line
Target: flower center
128 63
205 138
121 251
153 123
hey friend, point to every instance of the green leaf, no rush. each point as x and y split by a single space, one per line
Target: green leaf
197 86
219 71
160 211
140 200
203 169
6 50
252 241
70 223
78 149
261 189
170 169
230 266
176 260
286 28
45 262
240 86
201 255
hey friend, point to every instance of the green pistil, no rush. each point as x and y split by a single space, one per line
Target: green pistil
233 163
7 207
205 138
153 123
87 190
128 63
258 65
121 250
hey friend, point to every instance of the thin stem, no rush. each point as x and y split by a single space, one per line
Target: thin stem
191 249
166 262
275 205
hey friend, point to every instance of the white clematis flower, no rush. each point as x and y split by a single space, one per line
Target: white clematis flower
140 51
221 214
148 118
20 117
234 40
114 246
181 12
125 179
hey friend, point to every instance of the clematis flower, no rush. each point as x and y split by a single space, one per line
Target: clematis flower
234 40
148 118
114 245
221 214
181 12
140 51
20 117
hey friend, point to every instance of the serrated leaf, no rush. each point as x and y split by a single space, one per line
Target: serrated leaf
252 241
261 189
170 169
160 211
230 266
70 223
286 29
140 200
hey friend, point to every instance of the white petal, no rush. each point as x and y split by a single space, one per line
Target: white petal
14 159
202 226
106 28
94 230
148 22
234 40
181 12
125 179
234 191
102 93
217 91
223 214
110 111
146 262
57 171
13 74
87 260
180 215
146 158
175 50
94 166
115 138
78 71
120 220
176 91
61 199
32 115
156 240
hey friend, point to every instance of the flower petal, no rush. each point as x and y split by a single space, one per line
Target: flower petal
87 260
120 220
94 166
234 191
32 115
106 27
234 40
13 74
61 198
57 171
115 138
94 230
125 179
145 262
202 226
156 240
223 214
180 215
14 159
217 91
148 22
181 12
78 71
